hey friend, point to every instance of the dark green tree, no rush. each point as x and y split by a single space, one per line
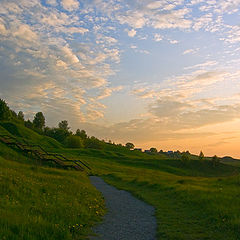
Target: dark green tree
5 113
153 150
39 120
64 125
13 114
20 116
129 145
81 133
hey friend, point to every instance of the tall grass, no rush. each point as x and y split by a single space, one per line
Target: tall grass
39 202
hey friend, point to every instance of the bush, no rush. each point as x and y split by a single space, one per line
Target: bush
93 143
74 142
59 134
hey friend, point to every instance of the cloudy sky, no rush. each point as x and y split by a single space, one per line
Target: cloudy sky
160 74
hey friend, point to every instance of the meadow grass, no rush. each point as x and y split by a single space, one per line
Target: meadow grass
190 203
39 202
193 200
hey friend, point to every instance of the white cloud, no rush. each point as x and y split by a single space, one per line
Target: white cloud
75 30
70 5
3 30
132 33
202 65
56 19
134 19
69 55
25 32
191 51
158 37
227 6
51 2
172 19
202 22
173 41
155 5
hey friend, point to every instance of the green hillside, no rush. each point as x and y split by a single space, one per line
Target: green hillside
193 199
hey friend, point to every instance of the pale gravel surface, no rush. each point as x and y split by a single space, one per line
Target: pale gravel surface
127 218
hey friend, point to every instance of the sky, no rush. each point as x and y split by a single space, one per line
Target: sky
161 74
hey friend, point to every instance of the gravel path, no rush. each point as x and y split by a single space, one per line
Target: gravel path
127 218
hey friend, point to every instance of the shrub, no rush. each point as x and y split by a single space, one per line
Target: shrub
93 143
59 134
74 142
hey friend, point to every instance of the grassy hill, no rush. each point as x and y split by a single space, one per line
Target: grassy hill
193 199
41 202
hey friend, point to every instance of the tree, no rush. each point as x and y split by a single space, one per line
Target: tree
64 125
215 160
5 113
39 120
129 145
81 133
201 156
153 150
57 133
185 157
20 116
13 114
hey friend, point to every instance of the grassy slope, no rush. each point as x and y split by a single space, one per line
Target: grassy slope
39 202
192 201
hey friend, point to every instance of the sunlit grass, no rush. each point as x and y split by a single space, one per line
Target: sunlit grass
45 203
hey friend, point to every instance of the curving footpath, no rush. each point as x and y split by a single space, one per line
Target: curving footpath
127 218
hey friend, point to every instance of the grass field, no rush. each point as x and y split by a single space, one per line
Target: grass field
193 200
39 202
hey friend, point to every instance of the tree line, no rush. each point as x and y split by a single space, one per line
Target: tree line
61 133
